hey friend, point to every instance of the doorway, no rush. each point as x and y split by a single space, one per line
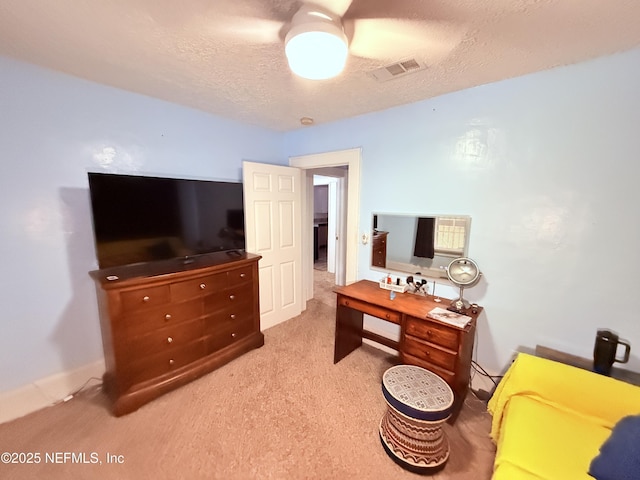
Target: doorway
326 212
345 166
326 232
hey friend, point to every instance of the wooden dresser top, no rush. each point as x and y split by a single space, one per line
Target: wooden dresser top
166 269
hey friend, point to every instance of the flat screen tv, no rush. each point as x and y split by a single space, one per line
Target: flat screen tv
144 219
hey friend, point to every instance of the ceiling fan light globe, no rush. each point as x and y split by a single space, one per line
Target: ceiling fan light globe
316 52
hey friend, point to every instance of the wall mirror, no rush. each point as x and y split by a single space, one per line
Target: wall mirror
418 244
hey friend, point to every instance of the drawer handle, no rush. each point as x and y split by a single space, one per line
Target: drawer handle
242 275
203 286
145 298
346 303
233 335
233 316
387 316
172 361
167 316
169 340
429 332
232 297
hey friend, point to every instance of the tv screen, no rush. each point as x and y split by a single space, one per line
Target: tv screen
141 219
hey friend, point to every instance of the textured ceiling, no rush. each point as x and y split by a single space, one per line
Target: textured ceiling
227 56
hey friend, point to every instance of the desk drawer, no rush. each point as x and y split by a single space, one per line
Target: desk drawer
369 309
430 353
447 375
433 332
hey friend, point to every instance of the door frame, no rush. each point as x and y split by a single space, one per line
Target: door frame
352 159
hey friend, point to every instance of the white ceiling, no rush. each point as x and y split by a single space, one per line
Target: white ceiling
227 56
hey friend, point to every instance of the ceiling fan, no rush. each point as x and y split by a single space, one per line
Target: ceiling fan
378 30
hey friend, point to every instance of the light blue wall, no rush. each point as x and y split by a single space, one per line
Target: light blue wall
53 129
547 166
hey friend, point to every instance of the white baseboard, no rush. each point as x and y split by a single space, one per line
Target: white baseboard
379 346
384 329
46 391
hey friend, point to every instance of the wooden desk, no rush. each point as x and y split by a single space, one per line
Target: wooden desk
437 346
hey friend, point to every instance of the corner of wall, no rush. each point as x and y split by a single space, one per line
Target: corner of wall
47 391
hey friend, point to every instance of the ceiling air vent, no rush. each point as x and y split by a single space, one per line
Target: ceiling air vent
398 69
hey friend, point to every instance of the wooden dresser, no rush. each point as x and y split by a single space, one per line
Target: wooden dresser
167 323
379 249
437 346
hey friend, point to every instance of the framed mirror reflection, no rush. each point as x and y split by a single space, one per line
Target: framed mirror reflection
418 244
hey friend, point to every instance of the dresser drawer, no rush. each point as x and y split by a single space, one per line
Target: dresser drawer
227 334
370 309
228 300
144 298
433 332
141 322
430 353
170 337
223 319
198 286
161 363
239 276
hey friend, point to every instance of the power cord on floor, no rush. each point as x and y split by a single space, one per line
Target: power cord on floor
478 368
482 395
77 391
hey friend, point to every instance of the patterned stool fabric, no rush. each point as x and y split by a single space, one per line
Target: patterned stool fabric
418 403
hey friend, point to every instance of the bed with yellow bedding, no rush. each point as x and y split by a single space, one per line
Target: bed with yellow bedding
550 421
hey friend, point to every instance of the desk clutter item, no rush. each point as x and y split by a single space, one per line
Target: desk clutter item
418 403
464 273
605 351
393 285
447 316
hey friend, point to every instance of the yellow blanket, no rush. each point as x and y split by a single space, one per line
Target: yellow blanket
550 419
597 398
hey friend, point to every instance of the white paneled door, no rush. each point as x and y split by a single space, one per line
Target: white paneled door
273 203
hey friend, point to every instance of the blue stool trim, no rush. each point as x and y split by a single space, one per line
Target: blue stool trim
415 413
417 393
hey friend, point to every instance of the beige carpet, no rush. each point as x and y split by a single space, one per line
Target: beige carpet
283 411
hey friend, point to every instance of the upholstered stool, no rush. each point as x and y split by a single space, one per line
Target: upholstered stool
418 403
